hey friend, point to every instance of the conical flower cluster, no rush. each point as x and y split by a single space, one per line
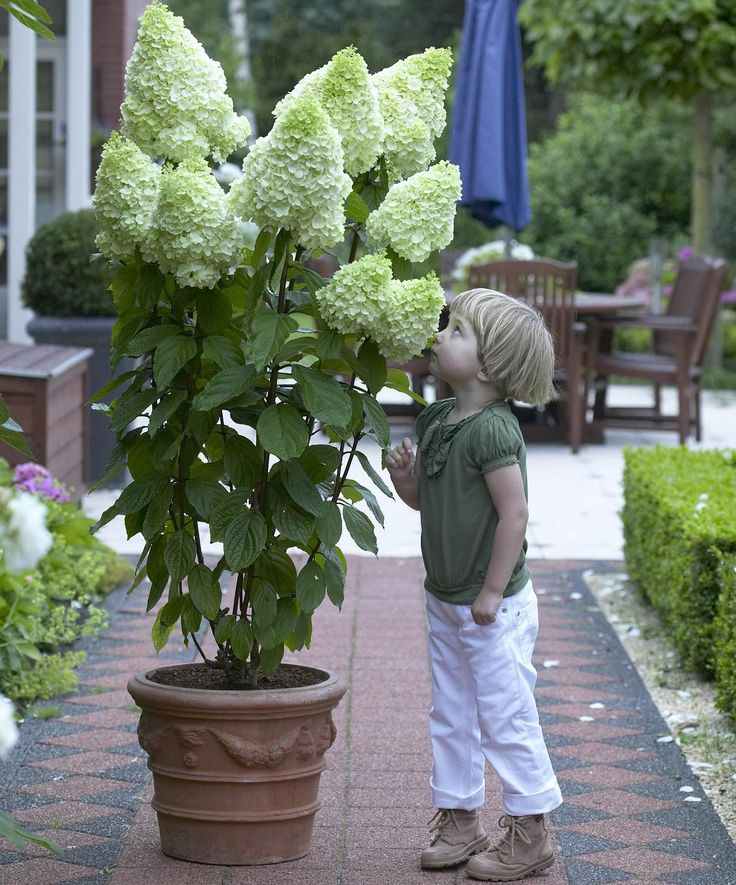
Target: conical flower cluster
417 216
194 233
126 194
345 91
176 104
293 178
363 299
411 97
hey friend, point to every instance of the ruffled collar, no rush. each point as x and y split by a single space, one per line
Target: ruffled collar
439 436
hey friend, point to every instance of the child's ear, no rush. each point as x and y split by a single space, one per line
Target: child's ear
483 375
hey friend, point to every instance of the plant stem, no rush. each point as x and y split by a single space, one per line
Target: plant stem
354 246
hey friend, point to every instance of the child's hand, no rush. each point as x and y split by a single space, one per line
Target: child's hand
400 461
485 607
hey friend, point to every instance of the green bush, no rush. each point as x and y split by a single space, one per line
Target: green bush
611 176
724 630
60 279
679 528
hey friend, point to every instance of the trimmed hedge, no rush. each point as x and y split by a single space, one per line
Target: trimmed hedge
679 520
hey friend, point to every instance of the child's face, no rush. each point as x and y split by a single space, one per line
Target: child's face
454 354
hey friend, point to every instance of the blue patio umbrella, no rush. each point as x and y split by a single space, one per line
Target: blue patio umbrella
488 133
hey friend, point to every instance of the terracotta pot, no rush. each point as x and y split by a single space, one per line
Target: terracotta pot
236 773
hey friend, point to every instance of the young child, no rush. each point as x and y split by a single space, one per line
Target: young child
468 482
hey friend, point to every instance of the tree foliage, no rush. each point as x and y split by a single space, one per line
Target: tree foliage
640 47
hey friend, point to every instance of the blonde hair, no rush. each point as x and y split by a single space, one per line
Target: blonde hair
515 347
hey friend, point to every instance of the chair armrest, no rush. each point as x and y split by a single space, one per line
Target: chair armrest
655 323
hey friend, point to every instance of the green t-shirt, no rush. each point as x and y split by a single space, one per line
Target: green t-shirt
457 513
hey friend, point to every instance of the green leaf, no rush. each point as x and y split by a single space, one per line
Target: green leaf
224 628
270 331
111 385
14 438
204 496
376 417
264 602
191 617
356 209
157 513
324 398
271 658
149 339
227 384
297 483
224 512
138 493
130 406
171 356
334 580
372 364
310 587
164 409
149 286
360 528
320 461
214 312
205 591
376 477
289 520
286 615
245 538
282 431
179 555
369 498
222 351
329 525
276 567
329 344
242 462
241 639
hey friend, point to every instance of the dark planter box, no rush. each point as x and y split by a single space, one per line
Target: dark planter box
93 332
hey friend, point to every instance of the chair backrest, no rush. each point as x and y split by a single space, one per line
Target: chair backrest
548 285
695 296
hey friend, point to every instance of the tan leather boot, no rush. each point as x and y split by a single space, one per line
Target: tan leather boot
525 849
456 835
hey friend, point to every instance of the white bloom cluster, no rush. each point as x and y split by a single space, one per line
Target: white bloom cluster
8 728
411 97
418 215
194 233
364 300
176 104
345 91
410 318
488 252
125 196
352 302
24 538
293 178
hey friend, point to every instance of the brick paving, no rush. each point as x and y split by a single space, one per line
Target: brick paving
81 779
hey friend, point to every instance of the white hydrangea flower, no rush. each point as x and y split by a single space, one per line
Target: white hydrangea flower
126 192
293 178
411 316
8 727
411 97
24 538
176 104
354 300
489 252
418 215
346 92
194 233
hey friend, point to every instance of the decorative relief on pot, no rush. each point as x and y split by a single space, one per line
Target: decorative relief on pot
252 755
150 738
326 737
305 743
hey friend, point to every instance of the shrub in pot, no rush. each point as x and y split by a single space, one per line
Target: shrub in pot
69 294
246 354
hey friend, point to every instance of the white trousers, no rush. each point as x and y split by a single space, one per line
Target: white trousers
483 708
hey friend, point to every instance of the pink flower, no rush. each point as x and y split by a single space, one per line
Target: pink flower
729 297
35 478
685 253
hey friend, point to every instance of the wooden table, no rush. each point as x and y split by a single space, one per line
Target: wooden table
591 304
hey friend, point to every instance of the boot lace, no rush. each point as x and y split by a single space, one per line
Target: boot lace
513 829
441 822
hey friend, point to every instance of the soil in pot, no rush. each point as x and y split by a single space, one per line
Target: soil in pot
208 678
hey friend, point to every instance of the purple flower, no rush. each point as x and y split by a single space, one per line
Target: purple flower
685 253
729 297
35 478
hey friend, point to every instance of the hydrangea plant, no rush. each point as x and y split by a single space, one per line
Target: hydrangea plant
245 353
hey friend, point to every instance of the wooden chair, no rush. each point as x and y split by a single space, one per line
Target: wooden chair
679 343
549 286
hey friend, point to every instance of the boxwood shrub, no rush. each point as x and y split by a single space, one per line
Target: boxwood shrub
724 629
679 534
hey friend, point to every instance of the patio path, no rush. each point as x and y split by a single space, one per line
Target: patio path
81 778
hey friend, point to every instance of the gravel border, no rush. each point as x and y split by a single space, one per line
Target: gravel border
686 702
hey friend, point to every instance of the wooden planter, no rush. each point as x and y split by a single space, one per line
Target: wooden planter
44 391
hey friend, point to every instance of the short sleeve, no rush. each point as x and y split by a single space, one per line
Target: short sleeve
494 445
